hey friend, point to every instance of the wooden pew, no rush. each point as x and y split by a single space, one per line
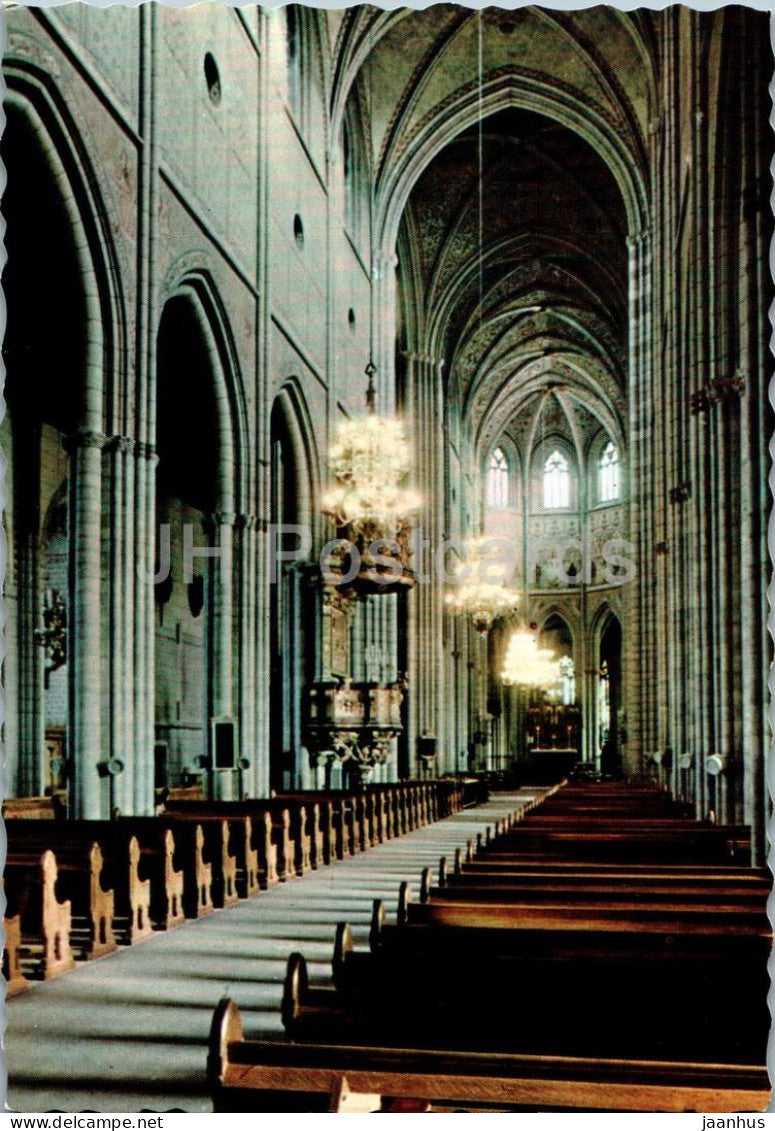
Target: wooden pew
291 836
486 888
701 945
466 862
703 846
15 981
271 1076
81 872
32 808
327 837
43 948
180 878
117 881
339 834
639 992
157 862
500 907
540 880
226 856
251 838
83 879
270 828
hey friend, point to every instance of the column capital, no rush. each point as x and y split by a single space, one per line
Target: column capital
698 402
146 451
681 493
83 438
122 444
719 390
636 239
723 389
382 264
429 359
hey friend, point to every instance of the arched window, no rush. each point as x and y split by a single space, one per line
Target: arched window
293 47
567 681
556 481
349 176
608 469
354 193
498 480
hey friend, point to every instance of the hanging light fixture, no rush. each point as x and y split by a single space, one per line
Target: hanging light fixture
371 504
526 664
482 592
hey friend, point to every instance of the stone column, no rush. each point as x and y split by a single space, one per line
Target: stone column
639 649
261 713
146 324
28 780
753 285
428 684
120 475
145 540
220 607
383 286
245 647
84 667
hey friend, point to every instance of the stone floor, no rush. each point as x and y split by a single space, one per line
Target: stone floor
129 1032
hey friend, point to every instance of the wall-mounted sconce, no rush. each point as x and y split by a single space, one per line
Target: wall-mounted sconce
110 769
716 764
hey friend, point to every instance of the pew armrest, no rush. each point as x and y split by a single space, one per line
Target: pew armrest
226 1029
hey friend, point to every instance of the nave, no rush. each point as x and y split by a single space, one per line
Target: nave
587 947
486 289
603 952
130 1031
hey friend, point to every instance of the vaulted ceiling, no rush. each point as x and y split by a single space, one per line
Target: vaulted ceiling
511 140
517 233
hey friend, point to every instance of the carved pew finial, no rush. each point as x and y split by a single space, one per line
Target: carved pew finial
225 1030
378 919
404 899
294 989
343 944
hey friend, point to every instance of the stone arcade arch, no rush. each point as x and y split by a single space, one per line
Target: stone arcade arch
609 738
292 505
201 718
61 373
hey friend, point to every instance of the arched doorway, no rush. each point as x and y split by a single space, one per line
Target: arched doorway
609 698
554 719
194 725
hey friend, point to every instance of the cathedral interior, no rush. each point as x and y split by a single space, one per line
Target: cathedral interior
401 471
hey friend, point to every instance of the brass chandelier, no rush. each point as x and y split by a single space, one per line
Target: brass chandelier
527 665
371 503
482 593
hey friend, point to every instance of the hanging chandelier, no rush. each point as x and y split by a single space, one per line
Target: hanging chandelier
482 592
526 664
371 503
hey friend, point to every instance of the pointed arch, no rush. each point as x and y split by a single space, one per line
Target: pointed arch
290 406
98 406
235 460
506 90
